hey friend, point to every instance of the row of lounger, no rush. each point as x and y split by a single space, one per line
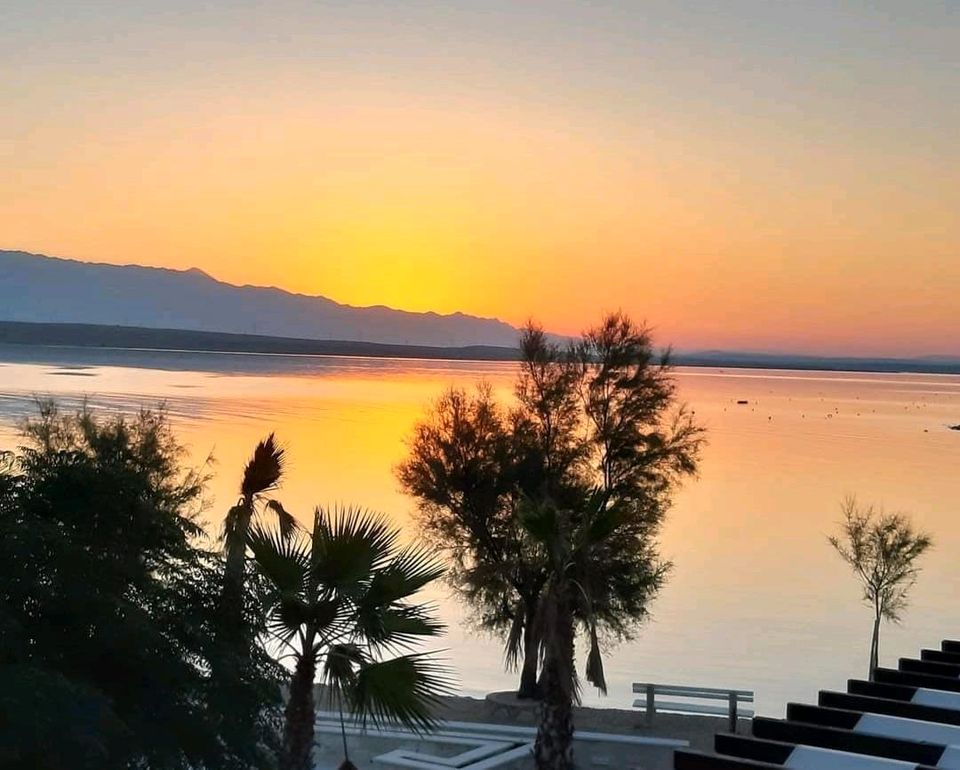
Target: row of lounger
907 717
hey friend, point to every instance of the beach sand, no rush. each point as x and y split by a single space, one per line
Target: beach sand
697 730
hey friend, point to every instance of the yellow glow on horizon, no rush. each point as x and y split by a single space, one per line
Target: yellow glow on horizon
512 211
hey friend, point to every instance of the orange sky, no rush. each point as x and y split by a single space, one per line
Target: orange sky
761 178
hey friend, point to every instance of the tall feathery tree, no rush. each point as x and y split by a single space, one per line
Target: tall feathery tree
467 471
600 413
882 549
109 602
340 602
642 443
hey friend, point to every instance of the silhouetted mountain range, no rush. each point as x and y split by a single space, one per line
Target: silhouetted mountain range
35 336
40 289
48 301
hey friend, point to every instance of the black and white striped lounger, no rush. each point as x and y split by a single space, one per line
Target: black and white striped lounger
799 757
907 718
933 667
877 724
941 656
839 739
918 695
895 708
917 679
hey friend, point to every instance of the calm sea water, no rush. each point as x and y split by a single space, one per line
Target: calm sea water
757 600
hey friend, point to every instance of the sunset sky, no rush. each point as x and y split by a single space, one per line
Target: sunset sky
756 175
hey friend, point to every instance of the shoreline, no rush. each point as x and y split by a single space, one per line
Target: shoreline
137 357
132 339
698 730
695 728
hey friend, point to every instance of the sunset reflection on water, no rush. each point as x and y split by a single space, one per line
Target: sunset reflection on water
756 600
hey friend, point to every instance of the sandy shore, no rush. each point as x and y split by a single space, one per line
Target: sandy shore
698 730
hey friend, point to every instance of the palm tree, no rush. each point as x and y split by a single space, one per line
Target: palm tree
574 542
261 475
339 604
235 632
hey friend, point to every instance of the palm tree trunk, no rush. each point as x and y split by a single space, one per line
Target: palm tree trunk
299 715
236 552
346 764
553 749
236 547
554 746
232 657
343 733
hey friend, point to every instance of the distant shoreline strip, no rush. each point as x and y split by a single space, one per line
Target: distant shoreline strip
142 339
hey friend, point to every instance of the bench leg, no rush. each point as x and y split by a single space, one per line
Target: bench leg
651 704
733 712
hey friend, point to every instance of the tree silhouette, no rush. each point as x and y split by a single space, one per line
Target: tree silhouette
108 604
340 601
238 628
600 413
882 549
573 542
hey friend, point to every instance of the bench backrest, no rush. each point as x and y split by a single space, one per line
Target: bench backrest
680 691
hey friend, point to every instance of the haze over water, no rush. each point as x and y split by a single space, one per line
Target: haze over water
757 599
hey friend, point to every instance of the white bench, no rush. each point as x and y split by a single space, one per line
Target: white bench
732 710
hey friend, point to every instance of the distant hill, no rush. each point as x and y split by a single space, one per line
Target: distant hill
50 301
40 289
739 359
138 338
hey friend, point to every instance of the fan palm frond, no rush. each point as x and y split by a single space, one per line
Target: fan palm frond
349 545
405 689
594 671
340 666
264 469
602 520
284 561
416 566
290 613
540 520
513 647
285 520
398 627
410 571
